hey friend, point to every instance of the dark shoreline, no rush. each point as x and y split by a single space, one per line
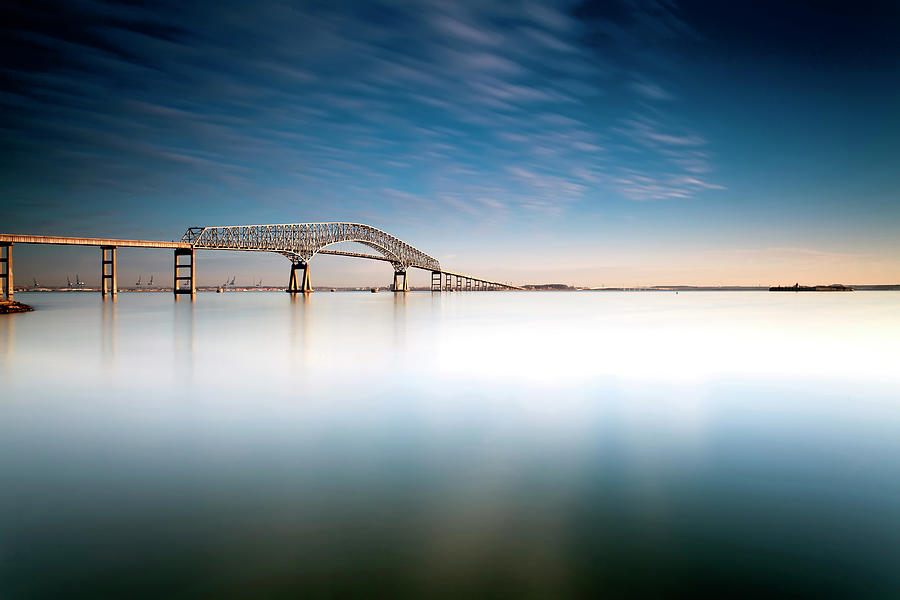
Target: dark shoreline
528 288
11 306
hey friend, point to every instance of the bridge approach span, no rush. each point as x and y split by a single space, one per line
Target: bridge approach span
59 240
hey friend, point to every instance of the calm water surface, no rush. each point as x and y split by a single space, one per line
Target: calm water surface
621 445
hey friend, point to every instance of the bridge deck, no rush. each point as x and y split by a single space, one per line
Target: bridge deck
473 278
80 241
77 241
442 271
355 255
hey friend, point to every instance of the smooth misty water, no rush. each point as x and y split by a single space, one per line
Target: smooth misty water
622 445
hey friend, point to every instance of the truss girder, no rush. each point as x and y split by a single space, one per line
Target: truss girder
303 240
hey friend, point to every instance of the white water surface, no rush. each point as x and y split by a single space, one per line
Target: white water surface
543 444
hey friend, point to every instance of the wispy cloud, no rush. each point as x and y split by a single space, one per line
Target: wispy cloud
793 253
478 106
644 186
649 90
649 132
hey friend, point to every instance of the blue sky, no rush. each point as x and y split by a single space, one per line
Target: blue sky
618 143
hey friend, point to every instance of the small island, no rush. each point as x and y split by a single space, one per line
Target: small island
834 287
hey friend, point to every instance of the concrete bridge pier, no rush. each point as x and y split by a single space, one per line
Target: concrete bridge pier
398 287
108 280
303 286
449 287
191 289
6 270
435 281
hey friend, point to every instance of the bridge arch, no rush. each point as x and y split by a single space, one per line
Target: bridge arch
301 241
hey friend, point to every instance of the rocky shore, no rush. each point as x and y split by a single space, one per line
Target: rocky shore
11 306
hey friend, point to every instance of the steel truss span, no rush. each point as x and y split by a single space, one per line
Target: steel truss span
301 241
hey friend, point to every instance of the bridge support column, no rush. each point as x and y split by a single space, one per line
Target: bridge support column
176 287
468 284
398 287
435 281
108 280
6 270
295 287
449 282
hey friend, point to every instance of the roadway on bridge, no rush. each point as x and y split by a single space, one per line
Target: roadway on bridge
297 241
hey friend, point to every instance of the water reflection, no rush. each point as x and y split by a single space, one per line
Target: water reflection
8 335
400 323
184 340
108 328
300 334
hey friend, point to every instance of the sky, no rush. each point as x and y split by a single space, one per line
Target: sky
617 143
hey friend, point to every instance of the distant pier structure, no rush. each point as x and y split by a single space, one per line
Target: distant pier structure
298 242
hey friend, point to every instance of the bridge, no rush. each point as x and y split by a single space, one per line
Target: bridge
298 242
